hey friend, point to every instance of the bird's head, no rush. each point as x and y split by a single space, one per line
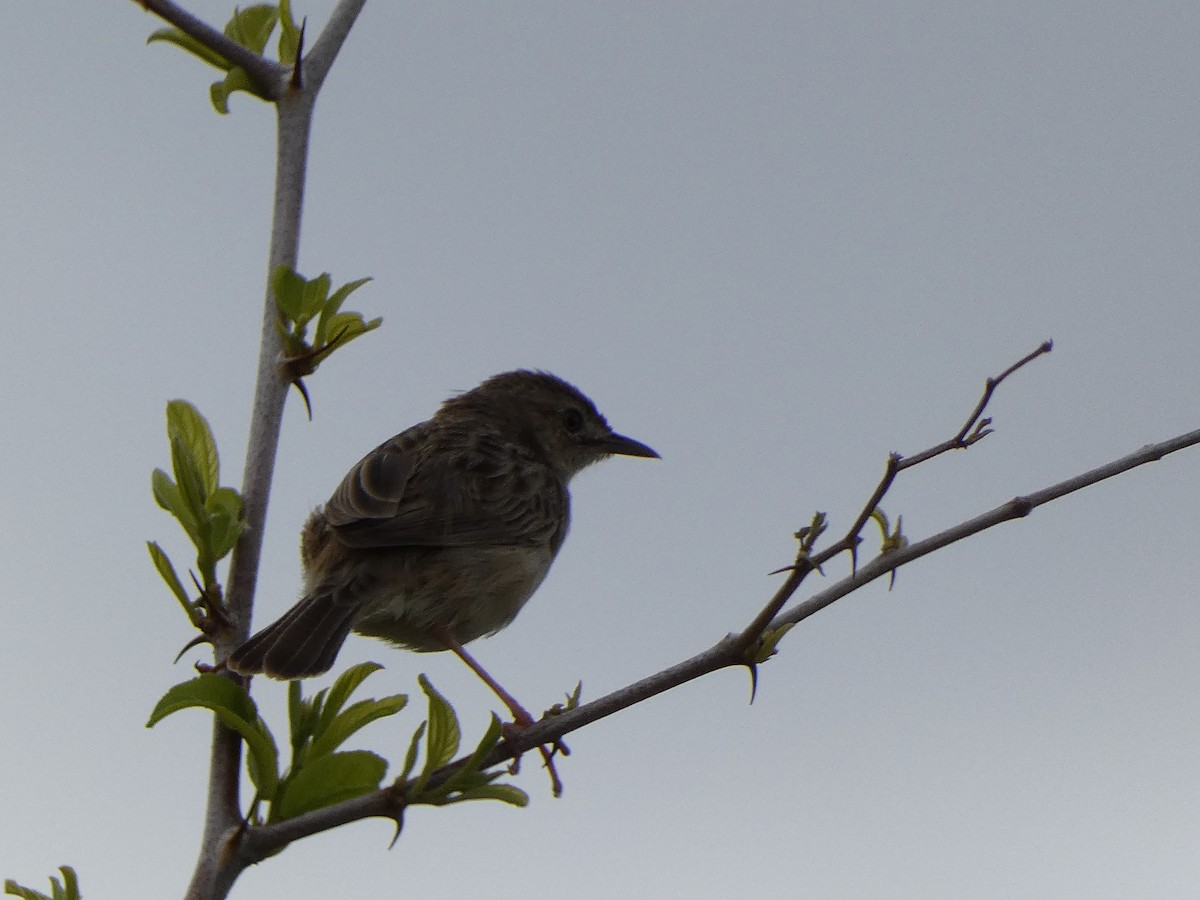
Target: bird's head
550 415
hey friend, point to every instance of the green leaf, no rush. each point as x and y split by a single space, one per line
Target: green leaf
327 780
252 26
169 497
300 301
288 288
338 297
191 45
233 706
315 293
410 758
67 889
264 767
302 716
333 304
769 641
289 37
332 725
444 735
189 481
185 423
70 884
346 326
163 564
341 690
880 518
504 792
356 717
11 887
166 492
224 508
491 737
219 92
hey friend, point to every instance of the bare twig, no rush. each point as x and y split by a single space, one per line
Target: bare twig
974 429
807 561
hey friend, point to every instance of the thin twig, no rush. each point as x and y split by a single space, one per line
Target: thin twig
806 560
963 440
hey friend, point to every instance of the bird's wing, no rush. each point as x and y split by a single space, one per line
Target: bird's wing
434 487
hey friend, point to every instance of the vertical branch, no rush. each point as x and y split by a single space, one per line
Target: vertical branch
223 812
266 417
219 863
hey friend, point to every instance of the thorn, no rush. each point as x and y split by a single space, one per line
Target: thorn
399 820
753 667
299 385
194 642
297 80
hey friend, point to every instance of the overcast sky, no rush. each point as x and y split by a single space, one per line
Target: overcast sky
775 241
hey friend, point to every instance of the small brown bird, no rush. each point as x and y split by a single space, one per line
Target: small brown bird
442 533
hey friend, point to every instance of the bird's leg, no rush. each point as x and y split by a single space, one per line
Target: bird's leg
521 716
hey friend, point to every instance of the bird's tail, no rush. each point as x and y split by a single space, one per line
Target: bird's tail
303 642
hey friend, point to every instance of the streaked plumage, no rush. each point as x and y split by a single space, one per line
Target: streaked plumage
442 533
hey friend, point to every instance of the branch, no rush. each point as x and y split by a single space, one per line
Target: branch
1016 508
294 127
806 561
266 74
320 59
216 870
259 842
977 427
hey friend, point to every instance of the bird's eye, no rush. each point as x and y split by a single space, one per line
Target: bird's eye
572 420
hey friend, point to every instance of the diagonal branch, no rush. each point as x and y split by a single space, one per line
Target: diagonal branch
319 60
975 428
260 841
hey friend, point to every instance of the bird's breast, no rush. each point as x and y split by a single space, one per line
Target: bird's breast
471 591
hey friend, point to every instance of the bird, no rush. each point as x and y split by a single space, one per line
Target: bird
442 533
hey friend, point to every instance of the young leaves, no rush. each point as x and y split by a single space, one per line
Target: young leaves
251 27
67 889
209 513
442 737
328 780
320 774
299 302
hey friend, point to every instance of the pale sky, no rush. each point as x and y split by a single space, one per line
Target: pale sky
775 241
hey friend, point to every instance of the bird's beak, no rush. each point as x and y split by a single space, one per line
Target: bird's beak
619 445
